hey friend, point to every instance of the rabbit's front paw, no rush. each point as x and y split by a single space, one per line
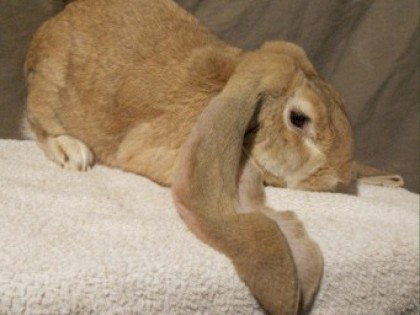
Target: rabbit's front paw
69 152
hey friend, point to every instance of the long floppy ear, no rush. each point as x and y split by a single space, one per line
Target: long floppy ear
306 253
293 51
205 189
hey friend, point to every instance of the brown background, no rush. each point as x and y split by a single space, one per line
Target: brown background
367 48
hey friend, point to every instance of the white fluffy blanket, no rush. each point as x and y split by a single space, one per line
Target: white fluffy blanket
109 242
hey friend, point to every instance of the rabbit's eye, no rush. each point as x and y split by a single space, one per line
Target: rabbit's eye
298 119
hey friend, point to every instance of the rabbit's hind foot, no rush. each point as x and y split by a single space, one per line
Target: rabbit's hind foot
69 152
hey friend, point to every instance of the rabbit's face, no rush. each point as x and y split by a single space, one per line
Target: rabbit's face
302 135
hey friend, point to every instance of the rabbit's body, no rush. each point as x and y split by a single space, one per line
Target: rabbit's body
130 80
131 96
140 85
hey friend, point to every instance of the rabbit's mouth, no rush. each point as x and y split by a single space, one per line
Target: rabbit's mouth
314 175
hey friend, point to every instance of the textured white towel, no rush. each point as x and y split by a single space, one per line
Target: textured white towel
109 242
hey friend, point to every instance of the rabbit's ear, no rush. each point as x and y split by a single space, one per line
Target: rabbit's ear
205 193
213 150
294 51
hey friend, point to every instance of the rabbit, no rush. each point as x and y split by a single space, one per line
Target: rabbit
144 87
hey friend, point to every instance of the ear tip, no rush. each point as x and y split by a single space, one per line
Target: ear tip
294 51
282 46
272 43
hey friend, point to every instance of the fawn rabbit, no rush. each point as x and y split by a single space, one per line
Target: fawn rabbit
143 86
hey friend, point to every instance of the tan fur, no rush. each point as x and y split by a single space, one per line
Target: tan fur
123 83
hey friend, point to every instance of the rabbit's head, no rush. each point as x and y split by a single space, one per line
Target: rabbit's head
300 133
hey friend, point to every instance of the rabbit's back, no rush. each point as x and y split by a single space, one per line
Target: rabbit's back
123 31
113 66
